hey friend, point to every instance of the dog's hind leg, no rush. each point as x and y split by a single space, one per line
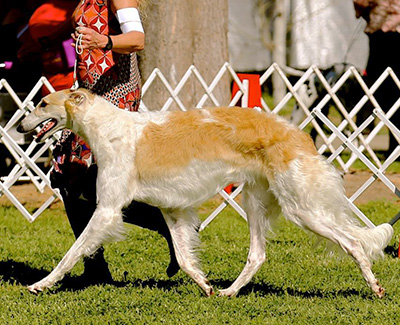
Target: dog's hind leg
312 196
262 210
352 246
183 225
105 225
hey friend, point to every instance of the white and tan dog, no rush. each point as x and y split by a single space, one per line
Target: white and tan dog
177 160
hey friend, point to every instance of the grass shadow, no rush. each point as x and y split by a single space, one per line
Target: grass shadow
18 273
23 274
392 250
265 289
80 283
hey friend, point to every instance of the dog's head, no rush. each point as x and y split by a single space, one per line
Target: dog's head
54 112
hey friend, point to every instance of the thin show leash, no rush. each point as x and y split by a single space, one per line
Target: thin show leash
79 51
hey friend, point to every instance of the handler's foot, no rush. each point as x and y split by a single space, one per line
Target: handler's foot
173 268
96 269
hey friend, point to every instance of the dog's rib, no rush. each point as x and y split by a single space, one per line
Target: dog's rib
177 160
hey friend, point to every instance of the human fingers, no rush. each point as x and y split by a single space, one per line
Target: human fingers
80 29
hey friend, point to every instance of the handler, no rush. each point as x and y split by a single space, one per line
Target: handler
107 35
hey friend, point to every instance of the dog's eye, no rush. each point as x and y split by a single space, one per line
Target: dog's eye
43 104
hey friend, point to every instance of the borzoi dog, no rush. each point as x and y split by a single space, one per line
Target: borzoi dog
177 160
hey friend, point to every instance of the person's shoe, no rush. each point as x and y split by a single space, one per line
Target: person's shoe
173 268
96 269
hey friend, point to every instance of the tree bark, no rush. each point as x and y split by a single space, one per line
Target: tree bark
279 52
181 33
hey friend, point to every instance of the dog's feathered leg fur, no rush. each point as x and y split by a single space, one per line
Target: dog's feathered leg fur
262 211
182 225
79 213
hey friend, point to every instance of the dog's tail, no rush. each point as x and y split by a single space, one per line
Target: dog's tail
372 240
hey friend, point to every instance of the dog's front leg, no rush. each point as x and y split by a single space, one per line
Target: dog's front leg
106 224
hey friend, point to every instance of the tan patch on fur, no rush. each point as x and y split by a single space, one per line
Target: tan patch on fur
240 137
70 107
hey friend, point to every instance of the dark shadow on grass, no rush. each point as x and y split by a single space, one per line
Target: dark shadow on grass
18 273
266 289
80 283
23 274
392 250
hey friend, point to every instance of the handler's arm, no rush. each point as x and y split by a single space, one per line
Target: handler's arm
131 40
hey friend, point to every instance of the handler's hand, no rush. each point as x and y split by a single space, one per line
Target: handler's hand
90 38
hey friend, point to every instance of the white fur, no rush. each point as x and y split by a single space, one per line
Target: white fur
309 193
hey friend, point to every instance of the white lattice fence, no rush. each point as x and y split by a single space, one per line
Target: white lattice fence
339 137
26 167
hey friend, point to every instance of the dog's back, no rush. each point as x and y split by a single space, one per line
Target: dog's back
239 137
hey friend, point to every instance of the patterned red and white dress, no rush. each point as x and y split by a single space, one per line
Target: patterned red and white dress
111 75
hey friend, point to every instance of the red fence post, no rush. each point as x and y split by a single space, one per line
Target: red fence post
254 98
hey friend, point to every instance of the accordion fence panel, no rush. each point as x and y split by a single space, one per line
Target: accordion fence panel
339 137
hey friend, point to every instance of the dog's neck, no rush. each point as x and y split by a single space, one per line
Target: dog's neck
101 126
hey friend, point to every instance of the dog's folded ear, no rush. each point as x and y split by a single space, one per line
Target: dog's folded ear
74 100
77 97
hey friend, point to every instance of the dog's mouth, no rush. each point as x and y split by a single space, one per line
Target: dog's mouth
46 129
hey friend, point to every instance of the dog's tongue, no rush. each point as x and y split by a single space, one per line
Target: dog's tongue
48 126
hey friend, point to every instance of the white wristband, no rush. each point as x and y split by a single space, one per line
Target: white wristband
129 20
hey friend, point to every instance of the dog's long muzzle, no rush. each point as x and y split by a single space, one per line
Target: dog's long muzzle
30 122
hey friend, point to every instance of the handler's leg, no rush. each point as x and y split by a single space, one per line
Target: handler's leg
149 217
139 214
74 182
79 213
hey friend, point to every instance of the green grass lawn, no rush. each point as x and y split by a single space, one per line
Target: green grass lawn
300 283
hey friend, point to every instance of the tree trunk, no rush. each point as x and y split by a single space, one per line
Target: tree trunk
279 52
181 33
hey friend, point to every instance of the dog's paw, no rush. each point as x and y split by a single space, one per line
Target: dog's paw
227 293
380 292
37 287
209 292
